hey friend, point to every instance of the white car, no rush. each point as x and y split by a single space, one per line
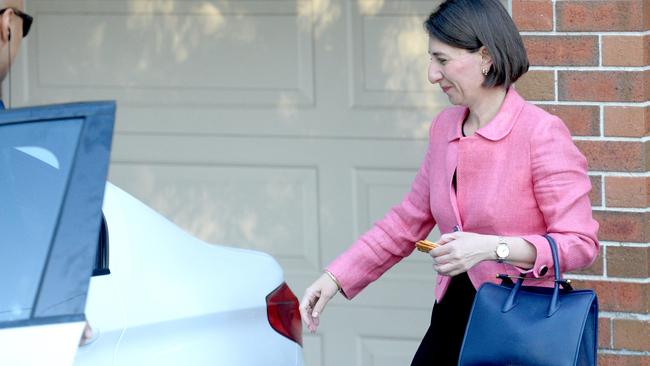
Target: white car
158 296
171 299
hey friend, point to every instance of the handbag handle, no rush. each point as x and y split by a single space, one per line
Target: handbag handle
554 305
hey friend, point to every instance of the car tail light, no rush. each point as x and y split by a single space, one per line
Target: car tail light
283 313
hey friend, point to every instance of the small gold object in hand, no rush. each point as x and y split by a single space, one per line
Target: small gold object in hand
425 245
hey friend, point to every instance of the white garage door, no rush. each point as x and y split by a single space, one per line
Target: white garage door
283 126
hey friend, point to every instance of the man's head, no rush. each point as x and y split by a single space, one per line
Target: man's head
12 23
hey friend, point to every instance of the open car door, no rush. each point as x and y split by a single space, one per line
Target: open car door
53 167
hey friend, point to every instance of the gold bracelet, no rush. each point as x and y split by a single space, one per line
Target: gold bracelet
338 285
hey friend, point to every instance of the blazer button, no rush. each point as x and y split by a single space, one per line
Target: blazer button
543 270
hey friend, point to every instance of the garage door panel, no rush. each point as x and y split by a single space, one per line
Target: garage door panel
372 336
379 351
183 52
390 54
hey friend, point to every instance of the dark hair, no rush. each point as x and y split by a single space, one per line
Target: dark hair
470 24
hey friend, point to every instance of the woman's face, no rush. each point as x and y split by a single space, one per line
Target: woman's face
457 71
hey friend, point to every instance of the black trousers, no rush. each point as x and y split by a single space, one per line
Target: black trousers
442 342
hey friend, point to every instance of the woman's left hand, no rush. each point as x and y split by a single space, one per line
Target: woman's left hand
460 251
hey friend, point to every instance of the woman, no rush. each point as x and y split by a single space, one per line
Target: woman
498 174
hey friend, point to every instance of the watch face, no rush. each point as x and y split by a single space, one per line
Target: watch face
503 250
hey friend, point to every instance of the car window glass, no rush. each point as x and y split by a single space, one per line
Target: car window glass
35 164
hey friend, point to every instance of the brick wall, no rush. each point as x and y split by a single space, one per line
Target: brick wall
590 66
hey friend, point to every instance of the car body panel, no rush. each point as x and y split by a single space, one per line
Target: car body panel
173 299
43 344
238 338
165 273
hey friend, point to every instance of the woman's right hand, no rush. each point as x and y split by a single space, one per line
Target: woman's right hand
316 297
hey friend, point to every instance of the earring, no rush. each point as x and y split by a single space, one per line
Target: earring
485 71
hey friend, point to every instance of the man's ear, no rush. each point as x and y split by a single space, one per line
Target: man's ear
5 25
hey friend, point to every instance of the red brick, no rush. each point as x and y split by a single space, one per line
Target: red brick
631 334
623 360
618 296
604 333
626 50
581 120
627 192
533 15
622 226
626 156
562 50
600 15
627 121
628 262
596 193
603 86
537 85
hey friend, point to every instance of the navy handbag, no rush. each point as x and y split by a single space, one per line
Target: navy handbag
511 324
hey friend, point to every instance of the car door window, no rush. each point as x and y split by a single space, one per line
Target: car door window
53 167
35 164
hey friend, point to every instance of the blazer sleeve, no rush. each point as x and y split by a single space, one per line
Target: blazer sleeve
561 187
390 239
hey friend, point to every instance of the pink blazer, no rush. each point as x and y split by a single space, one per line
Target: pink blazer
520 175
